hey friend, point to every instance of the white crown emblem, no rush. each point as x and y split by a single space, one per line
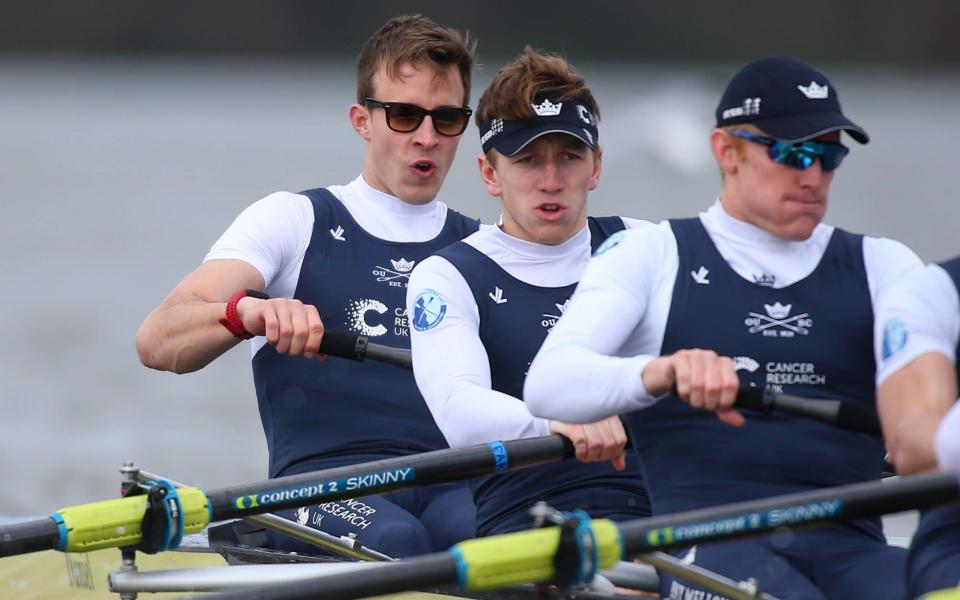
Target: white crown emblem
814 91
403 265
764 279
777 310
547 108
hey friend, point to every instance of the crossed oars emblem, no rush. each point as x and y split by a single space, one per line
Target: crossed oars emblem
778 316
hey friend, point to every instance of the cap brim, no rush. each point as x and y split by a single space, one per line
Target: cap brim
508 145
800 128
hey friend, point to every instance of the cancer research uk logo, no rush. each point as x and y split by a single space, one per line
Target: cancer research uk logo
428 310
776 321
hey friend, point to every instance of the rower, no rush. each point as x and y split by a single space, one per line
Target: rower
917 391
756 286
344 253
495 295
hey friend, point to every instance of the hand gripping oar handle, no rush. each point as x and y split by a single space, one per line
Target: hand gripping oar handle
359 347
115 523
844 415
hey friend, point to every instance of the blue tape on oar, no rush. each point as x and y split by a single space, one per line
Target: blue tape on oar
64 532
461 566
500 458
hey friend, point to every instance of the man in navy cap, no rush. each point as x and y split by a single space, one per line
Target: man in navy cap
756 287
495 295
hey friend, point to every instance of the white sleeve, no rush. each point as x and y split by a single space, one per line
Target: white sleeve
947 441
272 234
577 376
451 367
917 315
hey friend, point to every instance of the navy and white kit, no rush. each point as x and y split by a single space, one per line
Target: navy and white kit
349 251
924 316
481 309
795 316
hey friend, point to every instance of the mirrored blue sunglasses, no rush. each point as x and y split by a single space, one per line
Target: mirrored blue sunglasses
798 155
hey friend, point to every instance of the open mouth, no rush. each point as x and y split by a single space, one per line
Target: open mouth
423 167
550 210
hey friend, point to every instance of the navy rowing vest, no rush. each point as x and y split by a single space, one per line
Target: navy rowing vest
313 409
813 338
512 331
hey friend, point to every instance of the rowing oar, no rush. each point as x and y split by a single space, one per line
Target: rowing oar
359 347
530 556
845 415
117 523
839 413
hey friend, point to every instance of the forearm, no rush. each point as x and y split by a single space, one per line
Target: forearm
184 337
472 414
574 384
912 402
947 441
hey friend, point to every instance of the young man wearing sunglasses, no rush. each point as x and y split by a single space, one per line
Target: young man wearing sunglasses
759 278
338 258
495 295
918 331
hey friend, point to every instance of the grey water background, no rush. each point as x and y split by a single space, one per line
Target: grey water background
116 175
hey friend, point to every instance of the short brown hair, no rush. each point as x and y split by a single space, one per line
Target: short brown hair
513 89
415 40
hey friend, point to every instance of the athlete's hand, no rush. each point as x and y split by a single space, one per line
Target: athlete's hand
291 326
596 442
701 378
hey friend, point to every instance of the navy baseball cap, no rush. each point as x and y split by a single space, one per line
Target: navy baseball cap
572 117
786 98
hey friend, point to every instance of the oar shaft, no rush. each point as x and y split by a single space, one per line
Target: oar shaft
804 509
386 475
32 536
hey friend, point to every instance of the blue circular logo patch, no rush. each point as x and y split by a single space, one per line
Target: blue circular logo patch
610 242
428 310
894 337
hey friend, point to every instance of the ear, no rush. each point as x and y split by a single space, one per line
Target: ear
360 119
597 165
724 151
489 175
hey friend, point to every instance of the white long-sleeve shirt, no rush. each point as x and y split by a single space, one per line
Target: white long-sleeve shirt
922 315
273 233
615 322
450 362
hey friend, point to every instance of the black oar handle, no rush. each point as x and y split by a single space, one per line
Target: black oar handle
845 415
359 347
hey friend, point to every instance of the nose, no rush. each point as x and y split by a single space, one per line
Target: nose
550 180
425 135
812 175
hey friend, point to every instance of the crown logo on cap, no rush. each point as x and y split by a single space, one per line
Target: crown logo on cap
547 108
814 91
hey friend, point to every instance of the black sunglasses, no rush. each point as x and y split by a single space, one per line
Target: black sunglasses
450 121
